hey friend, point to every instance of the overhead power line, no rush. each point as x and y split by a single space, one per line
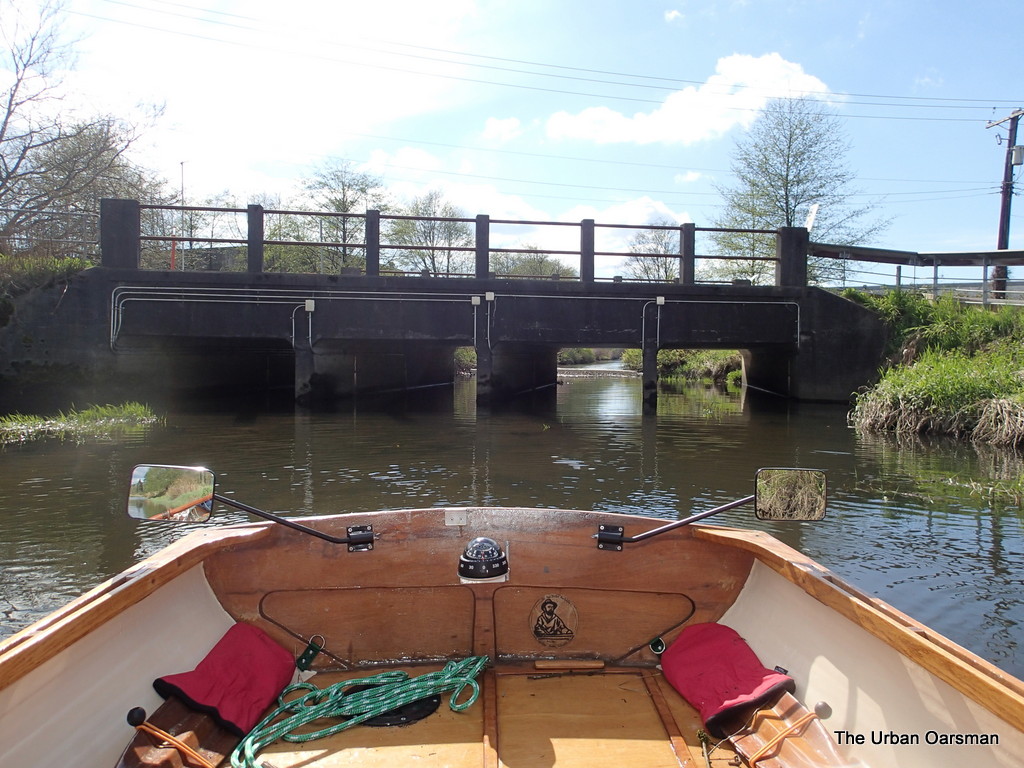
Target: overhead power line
196 14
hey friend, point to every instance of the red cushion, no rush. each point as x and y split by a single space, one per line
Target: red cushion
715 670
241 676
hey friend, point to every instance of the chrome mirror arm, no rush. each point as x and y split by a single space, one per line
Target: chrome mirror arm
612 537
360 537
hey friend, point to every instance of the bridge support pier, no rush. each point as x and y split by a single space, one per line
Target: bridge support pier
329 371
649 376
510 370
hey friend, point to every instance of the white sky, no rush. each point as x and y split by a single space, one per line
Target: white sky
618 110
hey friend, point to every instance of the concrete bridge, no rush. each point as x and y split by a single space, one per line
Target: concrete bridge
330 336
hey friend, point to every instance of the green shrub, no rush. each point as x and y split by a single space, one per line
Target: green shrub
691 364
465 360
576 356
917 323
20 274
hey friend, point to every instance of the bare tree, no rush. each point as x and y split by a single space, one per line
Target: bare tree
648 244
53 167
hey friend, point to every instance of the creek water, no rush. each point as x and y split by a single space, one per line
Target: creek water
906 522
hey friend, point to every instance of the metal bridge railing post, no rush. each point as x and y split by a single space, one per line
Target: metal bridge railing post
372 240
254 240
688 254
587 251
791 247
483 245
120 233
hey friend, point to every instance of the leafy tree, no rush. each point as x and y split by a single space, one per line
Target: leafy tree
646 243
54 169
752 253
792 158
338 187
530 262
431 241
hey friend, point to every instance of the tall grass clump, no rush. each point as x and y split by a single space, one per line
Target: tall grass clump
95 421
901 311
954 370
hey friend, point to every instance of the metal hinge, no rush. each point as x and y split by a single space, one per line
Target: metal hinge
610 537
360 538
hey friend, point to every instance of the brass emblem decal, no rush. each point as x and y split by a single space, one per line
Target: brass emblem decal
554 621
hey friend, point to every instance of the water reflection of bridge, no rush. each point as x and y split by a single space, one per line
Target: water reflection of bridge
371 328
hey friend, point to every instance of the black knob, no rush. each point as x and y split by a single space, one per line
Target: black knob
136 716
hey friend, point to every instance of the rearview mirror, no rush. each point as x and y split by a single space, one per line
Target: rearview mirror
180 494
789 494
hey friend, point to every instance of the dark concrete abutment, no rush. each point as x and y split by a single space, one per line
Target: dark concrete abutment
334 337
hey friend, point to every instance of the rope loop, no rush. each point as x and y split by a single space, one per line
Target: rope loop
377 695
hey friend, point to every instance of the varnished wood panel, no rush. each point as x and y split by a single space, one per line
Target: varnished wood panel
606 719
547 550
377 624
689 725
602 623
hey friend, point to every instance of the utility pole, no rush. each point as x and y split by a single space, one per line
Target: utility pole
999 274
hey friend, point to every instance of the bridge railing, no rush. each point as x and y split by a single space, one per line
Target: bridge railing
256 239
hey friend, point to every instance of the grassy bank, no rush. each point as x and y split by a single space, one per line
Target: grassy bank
93 422
953 370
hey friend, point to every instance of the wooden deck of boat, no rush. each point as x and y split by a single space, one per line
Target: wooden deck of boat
527 718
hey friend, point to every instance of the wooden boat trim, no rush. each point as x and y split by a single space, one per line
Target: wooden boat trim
989 686
25 650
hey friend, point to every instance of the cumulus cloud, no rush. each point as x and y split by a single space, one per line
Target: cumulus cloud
502 129
733 96
673 16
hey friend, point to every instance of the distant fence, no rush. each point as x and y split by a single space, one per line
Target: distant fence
48 233
978 291
972 277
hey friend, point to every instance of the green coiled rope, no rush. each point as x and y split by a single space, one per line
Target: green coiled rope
384 692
